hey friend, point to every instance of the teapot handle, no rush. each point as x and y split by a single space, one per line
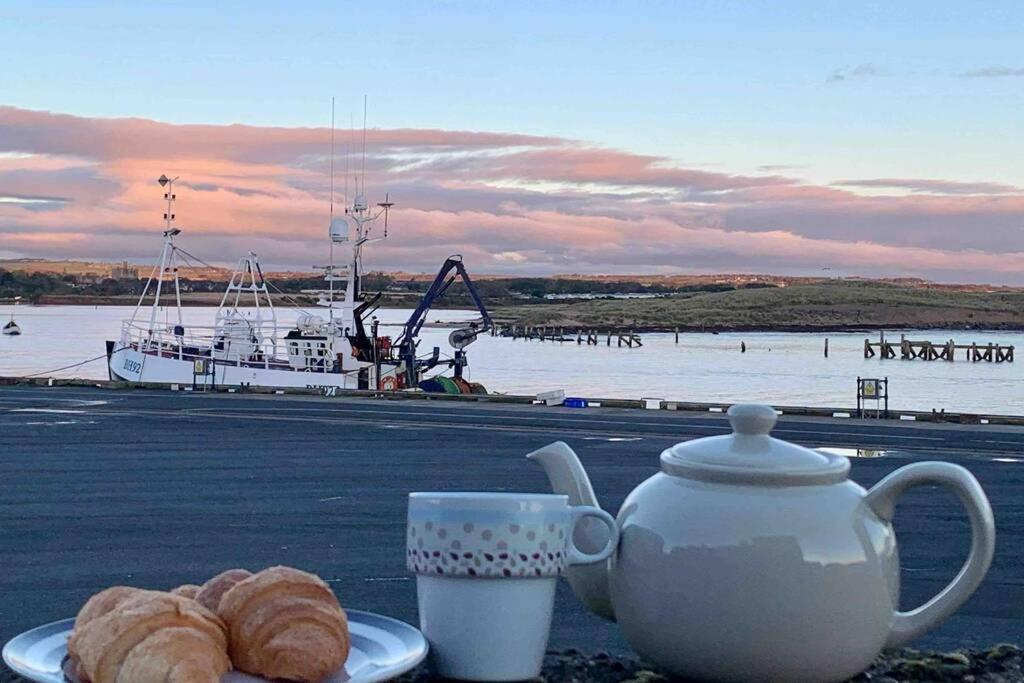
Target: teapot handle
882 499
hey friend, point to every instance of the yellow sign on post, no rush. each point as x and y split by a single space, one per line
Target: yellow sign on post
876 390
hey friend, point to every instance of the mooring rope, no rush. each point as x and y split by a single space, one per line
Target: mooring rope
66 367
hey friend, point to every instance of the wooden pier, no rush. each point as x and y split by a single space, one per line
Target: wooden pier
558 334
907 349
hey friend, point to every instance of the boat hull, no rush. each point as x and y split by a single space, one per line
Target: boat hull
130 365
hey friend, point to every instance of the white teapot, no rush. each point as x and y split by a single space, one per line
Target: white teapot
750 558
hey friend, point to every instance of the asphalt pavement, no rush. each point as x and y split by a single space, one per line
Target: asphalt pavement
155 489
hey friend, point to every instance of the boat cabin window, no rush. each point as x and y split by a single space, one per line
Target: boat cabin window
308 352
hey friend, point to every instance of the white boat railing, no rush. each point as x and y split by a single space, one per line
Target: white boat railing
258 347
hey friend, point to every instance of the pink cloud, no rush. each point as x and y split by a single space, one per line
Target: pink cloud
509 202
581 165
932 186
38 132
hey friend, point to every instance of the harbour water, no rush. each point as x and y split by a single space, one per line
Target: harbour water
780 368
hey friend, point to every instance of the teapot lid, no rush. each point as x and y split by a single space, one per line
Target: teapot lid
751 456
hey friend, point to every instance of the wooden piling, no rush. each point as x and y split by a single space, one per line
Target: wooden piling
931 351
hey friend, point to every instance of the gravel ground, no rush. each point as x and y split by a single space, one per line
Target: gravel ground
996 664
999 663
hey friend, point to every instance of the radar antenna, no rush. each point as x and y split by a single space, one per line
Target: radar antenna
362 180
386 204
332 157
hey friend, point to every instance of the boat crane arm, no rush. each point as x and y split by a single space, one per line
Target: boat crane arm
445 278
437 289
358 338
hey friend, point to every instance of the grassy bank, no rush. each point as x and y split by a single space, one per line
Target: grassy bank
391 300
812 306
830 305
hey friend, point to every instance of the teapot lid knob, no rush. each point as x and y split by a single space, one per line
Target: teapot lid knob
750 457
752 418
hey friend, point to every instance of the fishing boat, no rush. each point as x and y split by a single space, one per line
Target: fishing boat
335 346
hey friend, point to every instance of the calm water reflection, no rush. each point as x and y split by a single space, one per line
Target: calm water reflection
776 368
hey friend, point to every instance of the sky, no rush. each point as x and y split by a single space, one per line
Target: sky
803 138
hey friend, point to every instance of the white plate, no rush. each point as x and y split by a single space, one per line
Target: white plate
382 648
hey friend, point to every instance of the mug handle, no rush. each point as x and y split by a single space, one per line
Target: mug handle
577 556
882 499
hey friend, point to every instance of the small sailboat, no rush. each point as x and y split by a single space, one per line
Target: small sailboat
11 328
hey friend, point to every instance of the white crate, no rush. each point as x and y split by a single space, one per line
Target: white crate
555 397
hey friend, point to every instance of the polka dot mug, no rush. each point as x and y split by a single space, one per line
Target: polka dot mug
486 567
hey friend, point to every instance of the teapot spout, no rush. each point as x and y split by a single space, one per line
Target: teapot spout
567 477
565 473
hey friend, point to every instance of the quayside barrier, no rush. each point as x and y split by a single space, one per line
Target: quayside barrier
939 416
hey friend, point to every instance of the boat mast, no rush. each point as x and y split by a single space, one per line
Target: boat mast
169 218
167 260
330 271
360 216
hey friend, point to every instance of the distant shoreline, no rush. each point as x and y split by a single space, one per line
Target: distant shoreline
504 320
814 308
819 308
193 300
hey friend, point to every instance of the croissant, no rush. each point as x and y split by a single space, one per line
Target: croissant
284 623
150 637
187 591
210 593
96 606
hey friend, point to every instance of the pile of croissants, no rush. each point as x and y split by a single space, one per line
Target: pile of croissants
280 623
